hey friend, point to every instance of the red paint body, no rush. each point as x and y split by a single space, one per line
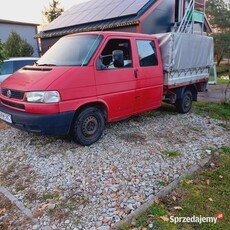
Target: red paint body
118 90
122 92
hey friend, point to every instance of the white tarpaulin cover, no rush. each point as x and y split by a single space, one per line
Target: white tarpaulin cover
182 51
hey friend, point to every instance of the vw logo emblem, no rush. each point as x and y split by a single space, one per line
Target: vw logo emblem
8 93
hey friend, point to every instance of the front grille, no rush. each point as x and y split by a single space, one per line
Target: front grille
12 104
13 93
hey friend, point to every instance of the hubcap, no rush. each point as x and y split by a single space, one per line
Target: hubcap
89 126
187 102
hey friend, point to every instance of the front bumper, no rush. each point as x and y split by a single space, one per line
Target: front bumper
49 124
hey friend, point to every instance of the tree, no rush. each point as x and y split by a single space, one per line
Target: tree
53 12
2 52
222 46
17 47
219 16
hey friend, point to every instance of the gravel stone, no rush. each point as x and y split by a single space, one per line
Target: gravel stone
89 187
35 227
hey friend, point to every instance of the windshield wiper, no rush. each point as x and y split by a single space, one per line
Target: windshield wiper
45 64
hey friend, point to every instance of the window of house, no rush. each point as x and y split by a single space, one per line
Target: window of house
106 58
147 53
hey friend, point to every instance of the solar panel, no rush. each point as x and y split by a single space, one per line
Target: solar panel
96 10
132 9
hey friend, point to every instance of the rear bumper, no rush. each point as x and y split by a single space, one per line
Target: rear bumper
50 124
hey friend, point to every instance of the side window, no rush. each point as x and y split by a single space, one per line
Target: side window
7 67
106 58
147 53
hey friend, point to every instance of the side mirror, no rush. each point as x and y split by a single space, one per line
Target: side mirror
118 58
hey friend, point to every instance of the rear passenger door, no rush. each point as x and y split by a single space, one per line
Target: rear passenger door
149 76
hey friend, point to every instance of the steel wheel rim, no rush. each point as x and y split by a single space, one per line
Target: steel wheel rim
90 126
187 102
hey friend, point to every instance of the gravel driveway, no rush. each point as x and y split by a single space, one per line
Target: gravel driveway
216 93
67 186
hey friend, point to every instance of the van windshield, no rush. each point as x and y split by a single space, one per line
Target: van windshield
71 51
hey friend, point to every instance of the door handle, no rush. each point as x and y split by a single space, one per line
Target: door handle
136 73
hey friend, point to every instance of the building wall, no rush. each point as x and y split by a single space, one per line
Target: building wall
129 29
25 31
159 20
46 43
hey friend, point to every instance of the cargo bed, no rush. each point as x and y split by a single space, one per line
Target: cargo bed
187 58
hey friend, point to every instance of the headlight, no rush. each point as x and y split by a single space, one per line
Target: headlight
43 96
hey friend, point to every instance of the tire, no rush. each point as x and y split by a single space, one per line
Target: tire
88 126
184 104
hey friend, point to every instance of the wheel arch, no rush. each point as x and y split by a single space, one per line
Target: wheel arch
194 91
181 90
100 105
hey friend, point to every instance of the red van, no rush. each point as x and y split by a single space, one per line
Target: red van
86 80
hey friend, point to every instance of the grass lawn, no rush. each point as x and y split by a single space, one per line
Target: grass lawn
219 111
222 81
205 194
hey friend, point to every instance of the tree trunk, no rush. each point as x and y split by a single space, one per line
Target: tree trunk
219 59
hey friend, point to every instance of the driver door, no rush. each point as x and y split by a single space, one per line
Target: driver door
116 85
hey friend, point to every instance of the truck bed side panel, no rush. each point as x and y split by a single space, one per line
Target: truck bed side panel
185 57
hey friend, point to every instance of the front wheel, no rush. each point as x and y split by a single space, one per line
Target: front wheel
88 126
184 104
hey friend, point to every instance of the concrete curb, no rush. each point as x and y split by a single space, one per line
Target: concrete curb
21 207
18 203
165 191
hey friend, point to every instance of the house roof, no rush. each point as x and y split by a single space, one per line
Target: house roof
18 23
97 15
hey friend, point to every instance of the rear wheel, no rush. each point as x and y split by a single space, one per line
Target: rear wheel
184 104
88 126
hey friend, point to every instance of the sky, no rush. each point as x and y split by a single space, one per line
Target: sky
30 10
